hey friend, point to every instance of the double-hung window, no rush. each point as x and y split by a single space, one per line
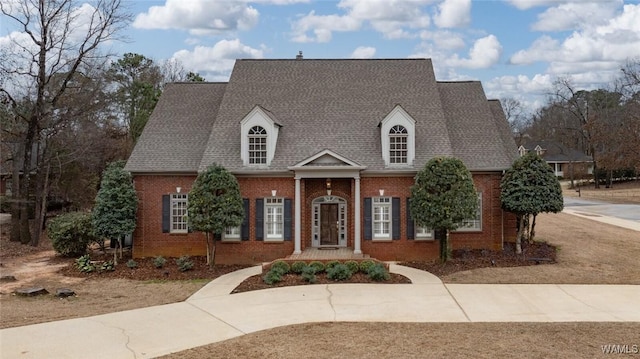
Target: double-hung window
232 234
274 218
473 224
257 145
179 213
382 217
398 145
424 233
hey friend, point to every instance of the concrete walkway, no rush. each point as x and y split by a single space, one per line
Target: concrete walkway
621 215
213 315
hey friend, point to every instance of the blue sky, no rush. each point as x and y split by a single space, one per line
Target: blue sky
517 48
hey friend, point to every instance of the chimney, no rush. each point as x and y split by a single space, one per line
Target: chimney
299 55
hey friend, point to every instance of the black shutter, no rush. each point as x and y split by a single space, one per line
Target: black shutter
244 228
287 219
395 218
367 218
166 213
217 236
259 219
411 231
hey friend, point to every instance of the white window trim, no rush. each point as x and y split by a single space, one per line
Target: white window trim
398 116
273 202
478 221
258 117
384 202
422 235
234 236
177 198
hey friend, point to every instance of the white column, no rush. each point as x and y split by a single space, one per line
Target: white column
297 220
356 215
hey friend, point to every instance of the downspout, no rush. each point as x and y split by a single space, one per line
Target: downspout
502 221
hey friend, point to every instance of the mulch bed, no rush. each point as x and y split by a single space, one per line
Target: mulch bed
146 271
463 259
467 259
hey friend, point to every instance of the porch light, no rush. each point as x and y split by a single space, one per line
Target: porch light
178 189
381 192
328 185
273 192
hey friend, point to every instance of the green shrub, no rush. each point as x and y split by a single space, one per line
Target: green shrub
331 264
297 267
71 233
184 263
159 261
339 272
107 266
272 277
132 263
365 265
84 264
281 266
318 266
309 274
353 266
378 273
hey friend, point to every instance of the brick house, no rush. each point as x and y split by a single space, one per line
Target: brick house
325 152
565 162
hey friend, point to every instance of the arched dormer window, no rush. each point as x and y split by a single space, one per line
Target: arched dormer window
398 144
258 137
257 145
398 137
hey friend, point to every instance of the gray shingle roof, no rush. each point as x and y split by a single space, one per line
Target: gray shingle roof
321 105
177 132
557 152
328 104
475 136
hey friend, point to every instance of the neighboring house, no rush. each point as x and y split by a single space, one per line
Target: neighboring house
566 162
325 152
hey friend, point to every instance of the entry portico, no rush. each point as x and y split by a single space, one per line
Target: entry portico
327 164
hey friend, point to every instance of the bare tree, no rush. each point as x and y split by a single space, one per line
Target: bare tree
56 40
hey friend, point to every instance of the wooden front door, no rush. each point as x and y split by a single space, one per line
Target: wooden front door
329 224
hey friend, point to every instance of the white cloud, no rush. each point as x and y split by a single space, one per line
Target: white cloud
453 13
528 4
484 53
363 52
392 18
216 62
444 39
199 17
575 15
322 26
600 47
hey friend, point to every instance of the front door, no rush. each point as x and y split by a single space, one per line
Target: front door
329 224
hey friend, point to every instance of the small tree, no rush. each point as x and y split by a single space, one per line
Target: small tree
527 188
214 205
442 197
114 214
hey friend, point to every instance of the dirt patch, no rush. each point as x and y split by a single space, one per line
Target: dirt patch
425 340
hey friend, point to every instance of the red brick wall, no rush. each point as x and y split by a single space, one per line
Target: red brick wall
150 241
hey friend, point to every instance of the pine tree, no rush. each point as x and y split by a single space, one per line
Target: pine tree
114 214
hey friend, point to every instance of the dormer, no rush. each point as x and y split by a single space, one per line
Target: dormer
522 151
398 136
259 136
539 150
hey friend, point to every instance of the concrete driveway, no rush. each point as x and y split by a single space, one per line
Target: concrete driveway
622 215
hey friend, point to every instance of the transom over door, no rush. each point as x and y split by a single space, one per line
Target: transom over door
329 224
